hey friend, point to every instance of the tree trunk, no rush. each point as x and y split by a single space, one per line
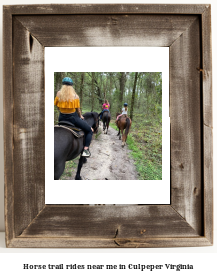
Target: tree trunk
98 91
58 81
110 89
81 89
92 91
122 85
75 81
133 96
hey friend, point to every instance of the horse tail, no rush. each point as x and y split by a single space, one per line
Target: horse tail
127 126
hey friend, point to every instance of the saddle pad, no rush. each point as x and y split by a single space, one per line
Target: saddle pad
78 134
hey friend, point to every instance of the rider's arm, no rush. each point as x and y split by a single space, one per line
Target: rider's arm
78 110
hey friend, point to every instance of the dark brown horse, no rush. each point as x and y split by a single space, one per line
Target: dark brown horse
68 147
106 117
123 122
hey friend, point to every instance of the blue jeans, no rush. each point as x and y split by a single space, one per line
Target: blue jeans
102 113
77 121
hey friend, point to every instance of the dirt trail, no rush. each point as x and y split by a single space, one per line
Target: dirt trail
108 161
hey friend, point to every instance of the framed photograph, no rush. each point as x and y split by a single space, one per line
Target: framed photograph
110 161
186 218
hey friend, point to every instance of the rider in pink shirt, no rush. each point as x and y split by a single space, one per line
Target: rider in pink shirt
105 107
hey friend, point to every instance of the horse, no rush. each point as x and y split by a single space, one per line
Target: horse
106 117
68 147
123 122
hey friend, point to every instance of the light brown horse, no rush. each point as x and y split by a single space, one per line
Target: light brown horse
123 122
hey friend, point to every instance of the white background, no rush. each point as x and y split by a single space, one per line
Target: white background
139 59
203 258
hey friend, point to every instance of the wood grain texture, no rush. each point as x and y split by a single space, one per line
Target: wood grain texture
185 113
29 131
186 29
8 125
107 243
208 182
107 30
207 122
106 9
109 222
207 67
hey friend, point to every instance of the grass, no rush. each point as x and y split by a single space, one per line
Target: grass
113 125
97 135
145 143
70 169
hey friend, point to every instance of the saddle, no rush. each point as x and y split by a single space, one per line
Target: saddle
122 116
71 127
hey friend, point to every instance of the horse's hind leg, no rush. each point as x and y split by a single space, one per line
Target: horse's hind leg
58 169
123 140
123 144
118 132
121 135
80 164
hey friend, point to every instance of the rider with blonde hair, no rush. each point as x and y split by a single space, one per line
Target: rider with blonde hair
68 103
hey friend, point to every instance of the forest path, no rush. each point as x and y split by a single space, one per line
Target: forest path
108 161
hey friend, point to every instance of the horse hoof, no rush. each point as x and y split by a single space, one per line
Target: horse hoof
78 178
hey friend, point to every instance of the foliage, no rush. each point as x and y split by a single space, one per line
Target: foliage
56 115
106 85
145 143
70 170
143 90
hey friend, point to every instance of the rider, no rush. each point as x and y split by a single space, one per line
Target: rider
68 104
105 107
124 111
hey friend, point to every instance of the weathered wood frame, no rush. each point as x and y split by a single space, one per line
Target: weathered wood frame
186 29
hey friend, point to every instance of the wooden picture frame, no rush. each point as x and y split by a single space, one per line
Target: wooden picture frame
186 30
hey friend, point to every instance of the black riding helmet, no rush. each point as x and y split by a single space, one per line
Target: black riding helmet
125 104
